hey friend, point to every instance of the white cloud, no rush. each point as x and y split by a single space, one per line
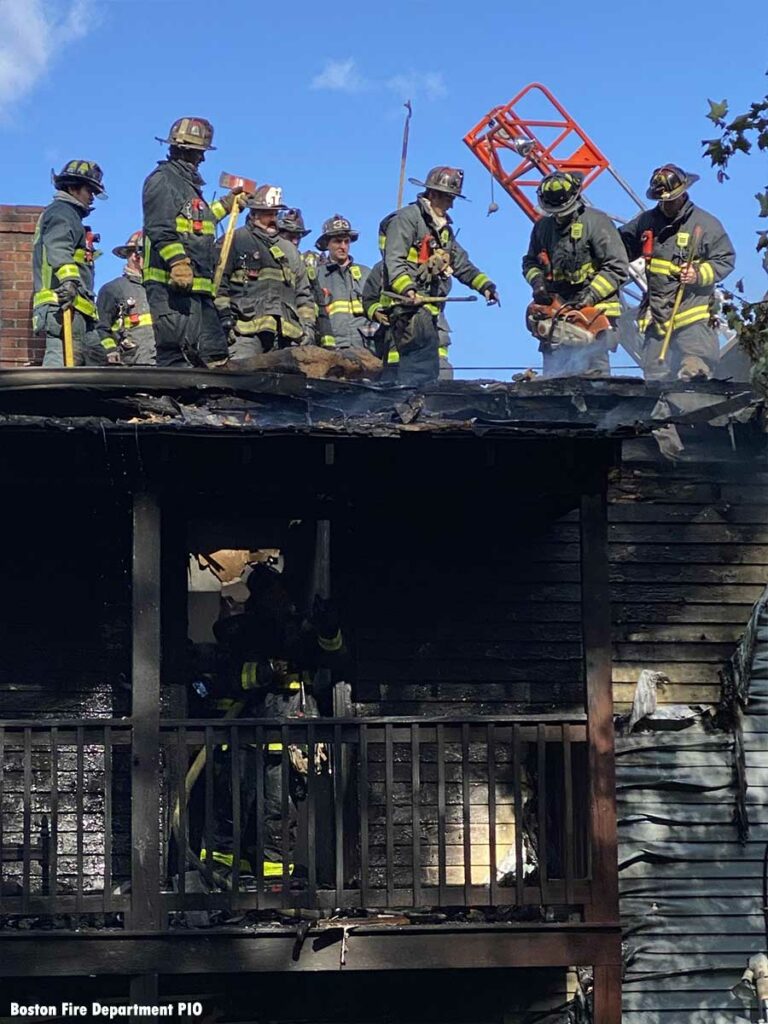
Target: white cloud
340 76
343 76
33 34
429 84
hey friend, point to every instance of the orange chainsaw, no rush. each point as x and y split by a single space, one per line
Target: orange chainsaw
560 324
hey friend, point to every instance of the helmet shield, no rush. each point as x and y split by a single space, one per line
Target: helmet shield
335 227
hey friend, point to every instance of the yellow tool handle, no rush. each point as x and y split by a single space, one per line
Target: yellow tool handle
226 245
69 348
679 295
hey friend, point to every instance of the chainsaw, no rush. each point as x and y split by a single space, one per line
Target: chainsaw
560 324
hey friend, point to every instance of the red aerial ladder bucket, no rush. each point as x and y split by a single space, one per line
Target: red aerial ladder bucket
520 150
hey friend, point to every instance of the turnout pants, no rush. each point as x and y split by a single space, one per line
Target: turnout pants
187 327
246 345
688 345
272 810
85 341
416 338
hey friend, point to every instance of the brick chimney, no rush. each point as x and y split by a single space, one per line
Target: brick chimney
17 344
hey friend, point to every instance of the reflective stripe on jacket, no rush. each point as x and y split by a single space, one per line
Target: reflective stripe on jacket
124 314
265 286
405 236
342 322
59 254
179 223
714 260
583 253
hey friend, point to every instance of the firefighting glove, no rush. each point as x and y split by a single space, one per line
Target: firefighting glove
67 292
181 276
581 299
491 295
540 291
227 320
229 200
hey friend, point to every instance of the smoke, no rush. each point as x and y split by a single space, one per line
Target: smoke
34 34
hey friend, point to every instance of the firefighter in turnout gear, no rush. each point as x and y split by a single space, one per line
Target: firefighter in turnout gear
291 227
421 256
272 657
683 246
339 288
575 259
265 300
125 322
179 250
62 264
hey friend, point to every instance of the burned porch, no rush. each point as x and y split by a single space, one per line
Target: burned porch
470 821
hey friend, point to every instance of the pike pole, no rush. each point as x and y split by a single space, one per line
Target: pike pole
404 155
693 245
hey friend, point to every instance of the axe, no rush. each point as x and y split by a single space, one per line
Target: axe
230 182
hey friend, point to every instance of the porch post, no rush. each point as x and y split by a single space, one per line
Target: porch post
145 781
596 633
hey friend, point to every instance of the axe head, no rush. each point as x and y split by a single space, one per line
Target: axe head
230 181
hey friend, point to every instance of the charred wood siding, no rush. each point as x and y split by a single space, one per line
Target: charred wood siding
481 616
689 557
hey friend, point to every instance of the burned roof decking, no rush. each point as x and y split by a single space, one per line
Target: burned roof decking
202 401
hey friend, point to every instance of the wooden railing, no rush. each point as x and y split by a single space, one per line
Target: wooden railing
406 813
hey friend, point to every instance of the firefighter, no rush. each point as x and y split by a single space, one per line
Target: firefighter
664 236
265 300
576 257
125 322
339 288
179 252
272 656
376 308
62 263
421 255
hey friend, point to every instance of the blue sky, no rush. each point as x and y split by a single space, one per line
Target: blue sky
309 96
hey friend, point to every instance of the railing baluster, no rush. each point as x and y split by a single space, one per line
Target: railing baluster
107 901
541 744
54 812
416 813
182 839
237 838
517 789
465 817
441 879
259 866
491 756
388 784
311 814
80 740
26 820
208 819
568 811
285 838
2 809
363 789
338 816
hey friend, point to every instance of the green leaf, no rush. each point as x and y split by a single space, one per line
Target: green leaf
740 123
762 198
717 111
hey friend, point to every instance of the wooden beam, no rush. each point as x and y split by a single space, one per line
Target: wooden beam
607 994
143 990
145 778
395 948
596 627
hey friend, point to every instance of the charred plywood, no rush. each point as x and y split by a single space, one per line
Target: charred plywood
689 553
